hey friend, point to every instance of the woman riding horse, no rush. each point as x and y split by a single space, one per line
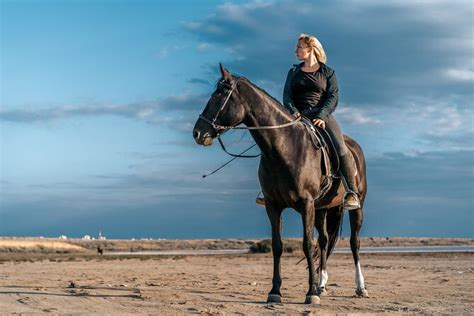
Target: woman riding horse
290 175
311 89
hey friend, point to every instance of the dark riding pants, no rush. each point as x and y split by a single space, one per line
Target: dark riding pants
335 132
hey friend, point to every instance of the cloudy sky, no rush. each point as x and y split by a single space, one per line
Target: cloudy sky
98 100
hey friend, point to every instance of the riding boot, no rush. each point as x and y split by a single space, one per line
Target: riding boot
348 171
260 200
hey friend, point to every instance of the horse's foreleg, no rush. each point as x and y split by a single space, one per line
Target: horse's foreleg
356 219
320 223
274 215
307 212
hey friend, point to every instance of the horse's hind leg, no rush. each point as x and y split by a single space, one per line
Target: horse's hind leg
320 223
274 215
333 224
356 219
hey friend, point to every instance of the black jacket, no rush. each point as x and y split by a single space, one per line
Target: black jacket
329 101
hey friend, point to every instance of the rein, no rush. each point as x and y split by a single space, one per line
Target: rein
223 128
218 127
237 155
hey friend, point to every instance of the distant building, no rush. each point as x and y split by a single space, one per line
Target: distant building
86 237
100 236
62 237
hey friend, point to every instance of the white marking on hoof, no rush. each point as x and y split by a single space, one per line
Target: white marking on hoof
274 298
322 291
362 293
322 278
359 278
312 299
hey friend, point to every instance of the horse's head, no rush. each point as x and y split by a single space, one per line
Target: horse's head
222 111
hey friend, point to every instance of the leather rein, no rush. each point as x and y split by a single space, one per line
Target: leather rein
218 128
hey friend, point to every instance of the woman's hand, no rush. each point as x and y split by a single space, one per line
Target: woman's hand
319 123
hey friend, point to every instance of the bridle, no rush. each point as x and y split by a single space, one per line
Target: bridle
220 129
224 128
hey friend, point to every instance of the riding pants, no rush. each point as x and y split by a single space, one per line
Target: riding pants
335 132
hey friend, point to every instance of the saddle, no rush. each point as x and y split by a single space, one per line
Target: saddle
321 139
330 164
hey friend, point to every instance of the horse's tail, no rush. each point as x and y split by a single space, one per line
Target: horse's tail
334 220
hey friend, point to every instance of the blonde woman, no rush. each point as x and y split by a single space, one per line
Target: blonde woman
311 89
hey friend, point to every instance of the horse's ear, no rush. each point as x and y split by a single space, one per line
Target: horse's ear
225 73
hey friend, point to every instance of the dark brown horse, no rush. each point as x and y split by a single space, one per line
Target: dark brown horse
290 175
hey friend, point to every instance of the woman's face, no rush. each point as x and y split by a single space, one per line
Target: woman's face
302 52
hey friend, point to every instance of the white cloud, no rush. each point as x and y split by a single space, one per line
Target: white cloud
444 119
164 52
202 47
167 50
207 27
460 74
177 112
400 65
356 116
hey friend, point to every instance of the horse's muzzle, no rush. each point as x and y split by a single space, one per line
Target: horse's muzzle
202 139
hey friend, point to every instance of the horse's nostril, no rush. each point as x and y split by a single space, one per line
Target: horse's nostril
195 134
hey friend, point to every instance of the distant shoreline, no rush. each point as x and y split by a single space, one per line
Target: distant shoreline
37 249
19 244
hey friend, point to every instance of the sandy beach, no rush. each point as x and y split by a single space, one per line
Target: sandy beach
232 284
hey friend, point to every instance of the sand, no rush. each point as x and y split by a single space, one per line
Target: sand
38 245
237 284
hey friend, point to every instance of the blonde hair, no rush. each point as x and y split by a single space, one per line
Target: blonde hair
315 45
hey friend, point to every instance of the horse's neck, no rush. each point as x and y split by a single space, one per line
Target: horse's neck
264 111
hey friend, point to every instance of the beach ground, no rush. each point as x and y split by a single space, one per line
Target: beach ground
236 284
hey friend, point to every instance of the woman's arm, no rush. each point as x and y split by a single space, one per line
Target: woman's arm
287 100
330 99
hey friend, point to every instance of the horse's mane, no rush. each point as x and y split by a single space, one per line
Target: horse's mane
281 106
237 76
262 90
255 86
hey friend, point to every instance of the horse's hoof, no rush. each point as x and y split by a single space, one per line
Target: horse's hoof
322 291
312 299
274 298
362 293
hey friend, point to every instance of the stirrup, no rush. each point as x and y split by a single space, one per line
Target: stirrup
351 201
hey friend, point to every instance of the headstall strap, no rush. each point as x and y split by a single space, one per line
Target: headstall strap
221 129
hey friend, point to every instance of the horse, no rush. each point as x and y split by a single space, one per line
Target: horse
290 176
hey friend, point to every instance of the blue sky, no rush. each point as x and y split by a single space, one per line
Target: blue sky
98 99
